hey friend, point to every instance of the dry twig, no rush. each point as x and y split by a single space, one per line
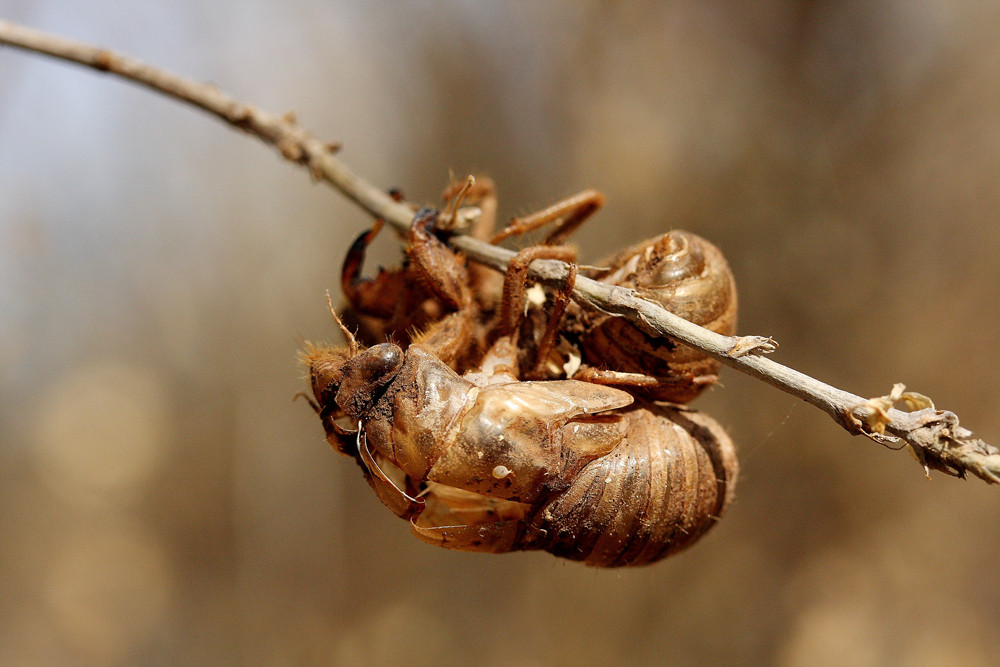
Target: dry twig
934 436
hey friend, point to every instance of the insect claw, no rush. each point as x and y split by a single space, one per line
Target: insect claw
340 430
450 219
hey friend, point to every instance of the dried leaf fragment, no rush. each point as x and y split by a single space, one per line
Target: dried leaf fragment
876 410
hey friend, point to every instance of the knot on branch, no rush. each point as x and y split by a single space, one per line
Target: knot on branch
938 442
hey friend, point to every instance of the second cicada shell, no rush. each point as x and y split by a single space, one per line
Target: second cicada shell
688 276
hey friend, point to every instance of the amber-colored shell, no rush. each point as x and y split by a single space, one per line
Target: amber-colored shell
688 276
485 462
570 467
656 493
665 484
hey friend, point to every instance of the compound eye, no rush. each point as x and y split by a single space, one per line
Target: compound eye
385 360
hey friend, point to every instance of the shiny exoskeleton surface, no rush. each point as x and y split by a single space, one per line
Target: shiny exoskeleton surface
686 275
666 482
574 468
484 461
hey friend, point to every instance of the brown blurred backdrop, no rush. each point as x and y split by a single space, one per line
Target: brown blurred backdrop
162 500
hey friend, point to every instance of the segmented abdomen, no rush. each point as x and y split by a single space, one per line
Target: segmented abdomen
654 494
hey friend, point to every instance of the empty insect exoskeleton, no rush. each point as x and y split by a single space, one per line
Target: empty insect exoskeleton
678 270
486 462
681 272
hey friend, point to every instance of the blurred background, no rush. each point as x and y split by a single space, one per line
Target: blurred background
163 500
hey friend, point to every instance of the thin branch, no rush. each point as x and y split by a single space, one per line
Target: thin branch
282 132
935 436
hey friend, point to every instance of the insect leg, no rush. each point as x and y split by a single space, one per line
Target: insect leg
435 264
638 380
483 193
515 281
562 299
567 215
385 488
484 281
493 537
444 274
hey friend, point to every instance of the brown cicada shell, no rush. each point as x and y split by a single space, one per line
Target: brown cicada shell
565 466
688 276
680 271
662 486
483 461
